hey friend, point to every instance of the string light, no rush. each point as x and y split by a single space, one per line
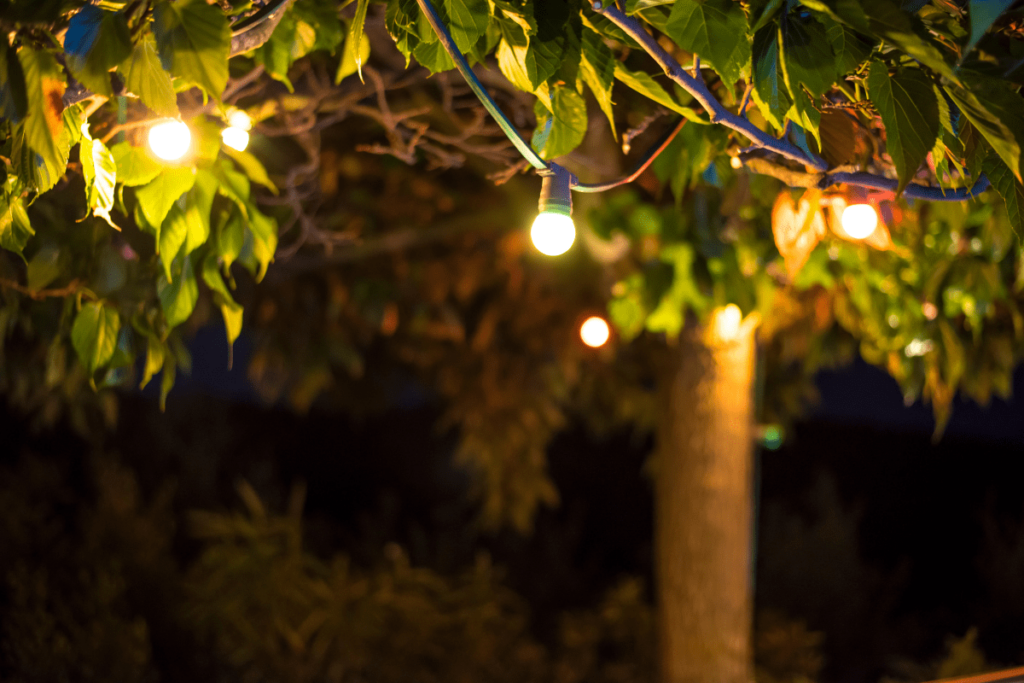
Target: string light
553 231
595 332
170 139
235 138
236 135
859 220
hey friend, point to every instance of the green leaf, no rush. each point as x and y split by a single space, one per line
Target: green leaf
466 21
13 95
850 48
96 41
683 294
565 111
276 55
43 124
352 58
886 20
172 236
997 112
178 297
252 167
134 165
44 268
40 173
634 6
910 113
230 235
145 77
198 205
231 310
400 20
597 67
434 57
194 41
716 30
264 233
100 173
650 88
167 380
15 229
154 359
94 334
806 55
511 57
1010 189
321 16
355 38
156 198
982 14
770 91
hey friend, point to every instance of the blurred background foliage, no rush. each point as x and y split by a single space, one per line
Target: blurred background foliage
110 570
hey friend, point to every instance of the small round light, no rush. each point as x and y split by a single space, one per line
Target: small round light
859 220
239 119
736 163
727 322
235 138
170 140
594 332
552 233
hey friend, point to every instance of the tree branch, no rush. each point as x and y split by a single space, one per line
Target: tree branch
696 87
719 114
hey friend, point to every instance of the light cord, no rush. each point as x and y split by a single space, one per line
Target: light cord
478 88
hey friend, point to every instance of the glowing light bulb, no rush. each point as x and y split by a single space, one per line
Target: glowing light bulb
727 322
235 138
239 119
594 332
859 220
170 140
552 233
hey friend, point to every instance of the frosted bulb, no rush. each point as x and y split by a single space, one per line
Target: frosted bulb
859 220
594 332
727 322
170 140
235 138
552 233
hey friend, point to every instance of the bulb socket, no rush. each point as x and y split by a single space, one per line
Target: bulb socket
556 191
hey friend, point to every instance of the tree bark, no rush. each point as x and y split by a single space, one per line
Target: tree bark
703 510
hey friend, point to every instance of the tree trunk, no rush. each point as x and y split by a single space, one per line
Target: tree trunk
703 510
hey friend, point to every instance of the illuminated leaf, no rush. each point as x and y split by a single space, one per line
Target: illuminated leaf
100 173
134 165
178 297
144 76
43 124
94 334
156 198
194 40
597 67
797 228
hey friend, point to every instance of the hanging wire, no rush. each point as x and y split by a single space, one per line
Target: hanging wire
478 88
506 126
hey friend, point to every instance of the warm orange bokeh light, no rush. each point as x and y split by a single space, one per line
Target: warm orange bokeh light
727 322
594 332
